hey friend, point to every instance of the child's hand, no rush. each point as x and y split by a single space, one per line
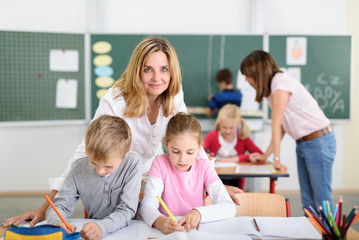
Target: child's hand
167 225
210 156
257 158
191 219
91 231
73 227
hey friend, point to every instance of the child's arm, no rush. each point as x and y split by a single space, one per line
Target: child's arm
127 208
65 201
149 207
255 152
222 206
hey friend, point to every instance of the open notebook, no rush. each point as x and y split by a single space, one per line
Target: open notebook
270 227
241 228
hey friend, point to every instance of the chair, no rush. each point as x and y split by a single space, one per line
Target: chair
262 204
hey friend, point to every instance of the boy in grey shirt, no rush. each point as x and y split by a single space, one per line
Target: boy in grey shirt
108 181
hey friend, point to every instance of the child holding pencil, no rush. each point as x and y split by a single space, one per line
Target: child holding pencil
108 181
181 179
230 141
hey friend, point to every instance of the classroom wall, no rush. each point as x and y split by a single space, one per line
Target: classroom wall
31 154
351 130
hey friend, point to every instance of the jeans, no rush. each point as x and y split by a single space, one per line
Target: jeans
315 162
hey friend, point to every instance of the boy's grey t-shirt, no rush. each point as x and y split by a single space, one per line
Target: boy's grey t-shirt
112 199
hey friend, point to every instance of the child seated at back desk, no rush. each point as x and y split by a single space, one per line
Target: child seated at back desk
108 181
228 95
227 143
181 179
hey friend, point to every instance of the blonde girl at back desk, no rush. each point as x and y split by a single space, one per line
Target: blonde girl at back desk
146 96
295 111
230 141
182 179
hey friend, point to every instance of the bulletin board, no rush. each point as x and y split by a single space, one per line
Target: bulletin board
33 88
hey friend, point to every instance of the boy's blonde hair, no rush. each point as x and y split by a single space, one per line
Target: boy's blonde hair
231 111
107 137
183 123
130 83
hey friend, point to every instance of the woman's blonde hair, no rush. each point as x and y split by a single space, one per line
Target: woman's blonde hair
231 111
260 66
183 123
107 137
131 86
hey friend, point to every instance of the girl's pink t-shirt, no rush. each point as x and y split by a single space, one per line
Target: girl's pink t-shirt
183 191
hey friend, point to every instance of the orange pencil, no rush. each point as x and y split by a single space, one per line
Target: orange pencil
315 221
58 213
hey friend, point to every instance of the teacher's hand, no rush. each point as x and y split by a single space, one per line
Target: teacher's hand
34 216
277 165
233 191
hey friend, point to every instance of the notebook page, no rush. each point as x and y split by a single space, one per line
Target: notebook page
236 225
286 227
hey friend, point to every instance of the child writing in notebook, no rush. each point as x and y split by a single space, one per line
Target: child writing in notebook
227 143
182 179
108 181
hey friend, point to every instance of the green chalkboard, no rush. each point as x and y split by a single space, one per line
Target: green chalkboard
200 56
28 86
326 73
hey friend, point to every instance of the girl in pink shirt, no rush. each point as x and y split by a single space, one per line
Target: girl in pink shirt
227 143
182 179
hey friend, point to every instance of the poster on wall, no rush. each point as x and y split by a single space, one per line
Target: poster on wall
296 51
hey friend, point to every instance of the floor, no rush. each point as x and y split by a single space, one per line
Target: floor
12 206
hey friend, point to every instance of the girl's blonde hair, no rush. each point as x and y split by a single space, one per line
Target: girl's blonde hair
131 86
183 123
231 111
107 137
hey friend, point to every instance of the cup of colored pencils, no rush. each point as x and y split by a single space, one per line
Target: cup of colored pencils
335 224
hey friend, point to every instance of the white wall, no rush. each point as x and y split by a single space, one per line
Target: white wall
32 154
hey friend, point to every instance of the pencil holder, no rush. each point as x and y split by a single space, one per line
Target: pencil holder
334 237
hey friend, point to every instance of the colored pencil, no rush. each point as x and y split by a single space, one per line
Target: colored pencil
351 213
335 227
335 215
57 212
343 224
166 208
340 206
315 221
350 221
325 219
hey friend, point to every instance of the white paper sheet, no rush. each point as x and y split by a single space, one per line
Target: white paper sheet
62 60
268 168
66 93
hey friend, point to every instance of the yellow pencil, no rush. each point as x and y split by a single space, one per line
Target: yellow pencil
166 208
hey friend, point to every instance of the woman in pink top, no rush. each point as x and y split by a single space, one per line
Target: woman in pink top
182 179
295 111
227 143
